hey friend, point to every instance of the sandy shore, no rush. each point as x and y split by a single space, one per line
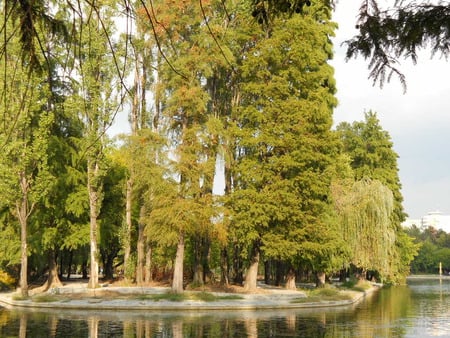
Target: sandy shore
122 298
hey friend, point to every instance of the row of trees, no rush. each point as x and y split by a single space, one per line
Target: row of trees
434 250
213 94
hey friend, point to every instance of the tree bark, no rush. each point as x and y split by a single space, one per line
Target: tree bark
23 211
177 282
69 264
290 280
320 279
251 277
148 264
53 278
127 247
140 250
224 267
267 271
94 200
237 265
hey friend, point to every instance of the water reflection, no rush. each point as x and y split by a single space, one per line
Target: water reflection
421 310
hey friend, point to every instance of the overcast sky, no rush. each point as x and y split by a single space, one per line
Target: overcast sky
418 121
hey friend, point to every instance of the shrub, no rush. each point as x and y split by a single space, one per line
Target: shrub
6 281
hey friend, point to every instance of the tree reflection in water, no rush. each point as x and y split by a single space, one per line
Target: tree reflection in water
398 312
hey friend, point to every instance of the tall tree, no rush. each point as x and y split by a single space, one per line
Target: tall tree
97 103
372 156
284 140
185 46
27 116
24 168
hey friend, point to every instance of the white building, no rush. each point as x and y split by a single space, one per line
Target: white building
436 219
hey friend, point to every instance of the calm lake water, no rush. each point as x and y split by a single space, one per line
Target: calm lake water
421 309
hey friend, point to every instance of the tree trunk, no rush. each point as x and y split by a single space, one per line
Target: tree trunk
23 260
148 264
94 200
84 269
320 279
140 250
127 246
237 265
290 280
177 282
23 211
198 279
69 264
268 271
279 272
53 278
201 258
108 266
224 267
251 277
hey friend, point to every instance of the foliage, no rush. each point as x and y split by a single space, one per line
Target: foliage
222 88
433 249
386 35
284 144
7 282
365 210
372 158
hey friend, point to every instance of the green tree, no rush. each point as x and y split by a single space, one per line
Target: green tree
373 157
385 35
185 100
364 208
97 102
284 142
24 137
110 217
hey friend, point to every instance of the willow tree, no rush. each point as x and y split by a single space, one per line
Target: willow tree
365 208
371 150
283 137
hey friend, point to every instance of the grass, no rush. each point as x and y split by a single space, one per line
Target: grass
326 294
20 297
357 285
46 298
186 296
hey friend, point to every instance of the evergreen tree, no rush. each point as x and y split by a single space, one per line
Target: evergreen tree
284 143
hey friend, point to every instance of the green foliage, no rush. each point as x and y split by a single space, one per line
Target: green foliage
284 143
258 97
432 248
7 282
379 213
386 35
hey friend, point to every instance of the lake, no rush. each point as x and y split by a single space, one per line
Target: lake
420 309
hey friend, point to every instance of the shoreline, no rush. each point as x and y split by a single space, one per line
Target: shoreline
267 299
428 277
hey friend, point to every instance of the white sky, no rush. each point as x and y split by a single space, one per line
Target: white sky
418 121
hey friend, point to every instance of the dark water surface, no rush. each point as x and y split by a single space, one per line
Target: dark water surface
420 309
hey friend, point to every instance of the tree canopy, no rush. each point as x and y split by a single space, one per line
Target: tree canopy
212 93
385 34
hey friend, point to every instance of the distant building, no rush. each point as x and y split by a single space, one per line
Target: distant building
435 219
